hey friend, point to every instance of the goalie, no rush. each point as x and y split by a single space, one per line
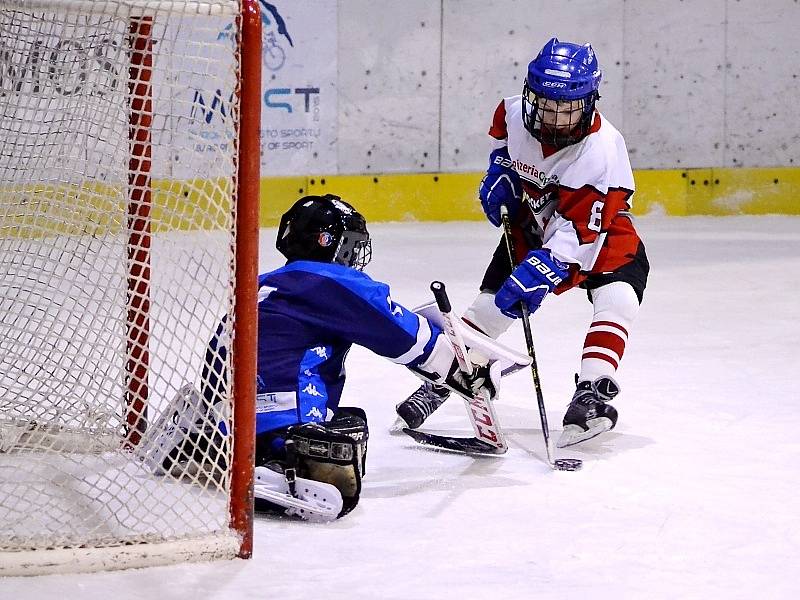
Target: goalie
311 452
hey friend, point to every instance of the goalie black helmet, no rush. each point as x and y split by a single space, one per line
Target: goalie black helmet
325 229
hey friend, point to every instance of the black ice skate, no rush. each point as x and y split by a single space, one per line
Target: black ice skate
588 415
420 405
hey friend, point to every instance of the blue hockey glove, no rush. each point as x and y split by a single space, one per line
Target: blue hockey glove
501 185
530 282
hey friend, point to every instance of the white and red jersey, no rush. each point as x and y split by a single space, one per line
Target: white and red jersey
579 195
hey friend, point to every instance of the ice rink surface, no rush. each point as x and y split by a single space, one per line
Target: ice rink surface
693 495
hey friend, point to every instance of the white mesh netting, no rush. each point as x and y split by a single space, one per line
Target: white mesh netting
115 269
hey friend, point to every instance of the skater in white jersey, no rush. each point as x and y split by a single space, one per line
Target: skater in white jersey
562 171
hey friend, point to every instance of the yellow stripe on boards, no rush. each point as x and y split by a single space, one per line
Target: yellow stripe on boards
739 191
391 197
36 210
454 196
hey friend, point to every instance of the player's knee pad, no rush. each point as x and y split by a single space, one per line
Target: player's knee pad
484 315
616 302
334 452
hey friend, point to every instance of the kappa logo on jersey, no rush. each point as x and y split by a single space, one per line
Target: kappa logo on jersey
320 351
396 310
311 390
314 412
265 290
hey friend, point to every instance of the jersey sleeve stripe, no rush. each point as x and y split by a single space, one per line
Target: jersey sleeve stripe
498 130
423 337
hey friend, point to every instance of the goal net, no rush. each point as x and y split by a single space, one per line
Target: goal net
129 153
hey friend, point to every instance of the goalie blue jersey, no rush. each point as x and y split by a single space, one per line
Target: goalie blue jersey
309 315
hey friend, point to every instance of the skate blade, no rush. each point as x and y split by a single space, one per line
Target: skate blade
573 434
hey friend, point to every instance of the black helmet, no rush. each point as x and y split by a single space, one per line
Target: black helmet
324 229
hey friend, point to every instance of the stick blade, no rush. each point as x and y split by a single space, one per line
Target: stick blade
567 464
454 444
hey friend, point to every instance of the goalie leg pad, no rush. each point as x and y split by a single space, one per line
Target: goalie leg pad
187 438
334 452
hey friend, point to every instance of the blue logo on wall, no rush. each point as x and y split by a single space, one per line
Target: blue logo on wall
278 20
209 105
273 54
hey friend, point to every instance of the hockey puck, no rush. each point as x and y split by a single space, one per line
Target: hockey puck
567 464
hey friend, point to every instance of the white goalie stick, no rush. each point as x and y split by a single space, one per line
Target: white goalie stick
488 438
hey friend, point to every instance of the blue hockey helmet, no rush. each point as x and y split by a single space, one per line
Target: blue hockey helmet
560 92
324 229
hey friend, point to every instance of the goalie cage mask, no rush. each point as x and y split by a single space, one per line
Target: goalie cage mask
563 80
334 452
325 229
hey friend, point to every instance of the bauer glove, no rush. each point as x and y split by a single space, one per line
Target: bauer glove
530 282
500 186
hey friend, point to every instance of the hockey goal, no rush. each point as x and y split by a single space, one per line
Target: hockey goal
129 177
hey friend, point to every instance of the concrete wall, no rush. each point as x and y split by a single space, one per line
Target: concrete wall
696 83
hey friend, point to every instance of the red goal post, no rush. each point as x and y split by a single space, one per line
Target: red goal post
128 229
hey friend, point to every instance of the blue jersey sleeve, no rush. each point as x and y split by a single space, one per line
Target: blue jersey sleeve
348 304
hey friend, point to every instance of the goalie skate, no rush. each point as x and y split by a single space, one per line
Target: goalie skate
312 500
482 415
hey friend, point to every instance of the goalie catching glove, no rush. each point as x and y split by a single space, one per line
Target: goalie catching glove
312 470
442 368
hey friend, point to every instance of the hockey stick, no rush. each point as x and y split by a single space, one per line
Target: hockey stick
488 436
561 464
462 445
